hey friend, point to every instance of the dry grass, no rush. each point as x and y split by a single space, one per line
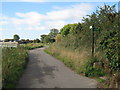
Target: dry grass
77 58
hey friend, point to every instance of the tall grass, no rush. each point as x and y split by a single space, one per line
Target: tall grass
75 60
14 61
80 61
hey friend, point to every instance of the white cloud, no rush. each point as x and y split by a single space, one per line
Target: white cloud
37 28
54 19
3 22
33 15
73 12
31 18
31 28
1 29
55 24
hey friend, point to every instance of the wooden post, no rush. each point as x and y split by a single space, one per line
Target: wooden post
92 34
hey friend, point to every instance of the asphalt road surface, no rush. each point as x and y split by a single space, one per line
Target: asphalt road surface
44 71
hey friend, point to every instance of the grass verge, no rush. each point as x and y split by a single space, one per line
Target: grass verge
14 61
80 62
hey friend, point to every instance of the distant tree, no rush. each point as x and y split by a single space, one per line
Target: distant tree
31 41
16 37
53 33
27 40
22 40
36 41
11 40
46 39
43 37
6 40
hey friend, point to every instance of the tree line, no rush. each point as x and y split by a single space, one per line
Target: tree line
50 38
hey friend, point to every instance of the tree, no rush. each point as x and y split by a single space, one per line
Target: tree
43 38
68 29
8 40
78 28
47 39
65 30
53 33
36 41
16 37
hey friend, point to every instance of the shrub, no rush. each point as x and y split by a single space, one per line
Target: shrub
94 72
90 71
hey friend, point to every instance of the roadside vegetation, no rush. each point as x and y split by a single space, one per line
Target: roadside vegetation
73 47
14 61
31 46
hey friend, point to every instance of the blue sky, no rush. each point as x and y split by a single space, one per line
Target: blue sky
31 19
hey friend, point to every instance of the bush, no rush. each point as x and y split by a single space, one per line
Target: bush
90 71
94 72
110 46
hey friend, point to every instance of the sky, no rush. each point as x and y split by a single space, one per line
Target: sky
31 19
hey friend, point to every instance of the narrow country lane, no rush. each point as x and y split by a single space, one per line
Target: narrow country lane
44 71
